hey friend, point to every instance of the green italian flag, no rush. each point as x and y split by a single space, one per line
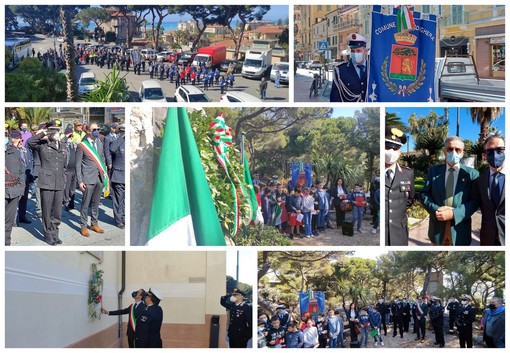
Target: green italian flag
183 211
405 20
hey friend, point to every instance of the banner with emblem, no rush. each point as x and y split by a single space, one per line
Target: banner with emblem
402 56
312 302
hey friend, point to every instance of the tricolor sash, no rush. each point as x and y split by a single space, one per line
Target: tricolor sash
420 311
132 318
92 153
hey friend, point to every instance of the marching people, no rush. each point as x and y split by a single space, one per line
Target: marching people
464 318
91 175
399 185
51 180
489 192
447 197
148 327
14 179
350 77
134 310
240 317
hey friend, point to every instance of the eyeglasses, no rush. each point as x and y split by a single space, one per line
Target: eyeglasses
497 149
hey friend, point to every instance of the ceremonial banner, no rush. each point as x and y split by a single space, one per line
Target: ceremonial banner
301 174
312 302
183 211
402 56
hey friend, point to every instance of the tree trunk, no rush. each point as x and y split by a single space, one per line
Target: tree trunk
69 56
426 281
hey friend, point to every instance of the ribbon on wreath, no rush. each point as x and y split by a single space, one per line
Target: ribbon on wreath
222 141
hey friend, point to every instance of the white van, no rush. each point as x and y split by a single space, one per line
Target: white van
257 63
150 91
148 52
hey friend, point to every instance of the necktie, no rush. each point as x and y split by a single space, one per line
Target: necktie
361 70
495 193
389 176
449 188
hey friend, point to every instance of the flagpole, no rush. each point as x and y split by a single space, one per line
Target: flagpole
237 270
242 161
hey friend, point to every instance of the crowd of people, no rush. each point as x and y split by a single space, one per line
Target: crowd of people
49 165
451 194
286 330
305 211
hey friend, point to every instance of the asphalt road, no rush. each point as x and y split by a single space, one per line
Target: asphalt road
32 234
42 43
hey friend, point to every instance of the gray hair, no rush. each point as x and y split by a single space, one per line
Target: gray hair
454 138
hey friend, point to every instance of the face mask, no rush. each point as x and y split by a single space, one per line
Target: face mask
453 158
134 294
390 156
260 330
404 301
95 134
24 129
380 301
495 159
358 57
55 136
464 302
492 306
232 298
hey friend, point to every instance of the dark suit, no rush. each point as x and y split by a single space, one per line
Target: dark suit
51 181
336 202
148 328
87 172
14 187
434 196
347 86
131 328
399 197
239 324
493 218
118 150
465 316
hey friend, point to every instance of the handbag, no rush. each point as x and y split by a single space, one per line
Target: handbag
356 329
346 206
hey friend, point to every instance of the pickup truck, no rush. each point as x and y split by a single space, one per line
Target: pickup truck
456 79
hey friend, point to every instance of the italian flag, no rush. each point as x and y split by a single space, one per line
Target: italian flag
183 211
252 197
405 20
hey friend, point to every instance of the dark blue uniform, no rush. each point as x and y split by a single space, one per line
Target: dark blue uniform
239 324
347 85
148 328
464 318
14 187
436 314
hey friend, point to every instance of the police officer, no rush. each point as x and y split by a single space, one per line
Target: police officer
148 326
436 314
453 305
464 318
239 325
117 152
406 314
382 307
399 182
53 156
397 313
70 188
14 179
283 315
422 309
350 77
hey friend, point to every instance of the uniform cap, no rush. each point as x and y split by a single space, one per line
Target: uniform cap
15 134
356 40
54 125
394 137
155 293
122 127
237 291
465 297
281 306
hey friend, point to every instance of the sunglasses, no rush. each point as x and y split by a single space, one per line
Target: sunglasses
497 149
95 130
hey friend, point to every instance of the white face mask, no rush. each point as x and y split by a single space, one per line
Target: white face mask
464 302
390 156
232 298
358 58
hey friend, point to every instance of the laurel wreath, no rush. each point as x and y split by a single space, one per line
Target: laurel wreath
95 292
413 87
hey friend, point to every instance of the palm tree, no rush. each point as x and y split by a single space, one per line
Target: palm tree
66 15
484 116
394 120
430 142
35 115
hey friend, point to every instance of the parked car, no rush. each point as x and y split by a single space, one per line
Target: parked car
174 56
238 65
190 94
238 97
148 52
163 56
499 66
332 63
186 58
86 83
150 91
314 65
284 71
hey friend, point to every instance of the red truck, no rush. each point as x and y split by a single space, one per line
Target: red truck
211 56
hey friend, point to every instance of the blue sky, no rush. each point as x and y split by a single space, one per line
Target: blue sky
276 12
344 111
468 130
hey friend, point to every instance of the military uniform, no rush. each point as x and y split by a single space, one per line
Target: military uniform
399 183
436 314
452 308
406 316
14 187
51 181
240 322
347 85
397 312
464 318
148 325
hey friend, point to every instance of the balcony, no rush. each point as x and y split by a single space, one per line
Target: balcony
472 17
345 25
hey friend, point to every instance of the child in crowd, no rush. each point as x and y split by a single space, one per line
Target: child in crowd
294 337
358 199
275 336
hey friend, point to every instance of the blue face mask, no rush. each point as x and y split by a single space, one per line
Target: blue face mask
95 134
495 158
134 294
453 158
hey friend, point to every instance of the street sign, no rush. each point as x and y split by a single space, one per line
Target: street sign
323 45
